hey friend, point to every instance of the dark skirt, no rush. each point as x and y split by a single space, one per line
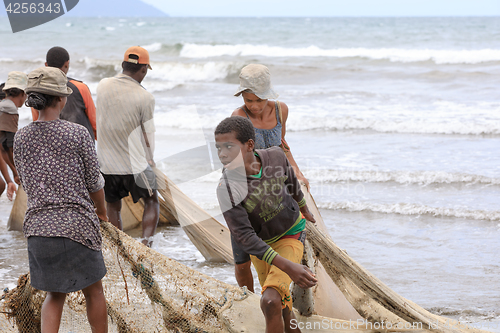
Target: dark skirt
59 264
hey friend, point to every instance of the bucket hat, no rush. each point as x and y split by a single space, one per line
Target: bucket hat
256 78
17 80
48 80
141 53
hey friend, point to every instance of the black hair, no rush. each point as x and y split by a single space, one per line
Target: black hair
57 57
131 67
13 92
40 101
241 126
2 93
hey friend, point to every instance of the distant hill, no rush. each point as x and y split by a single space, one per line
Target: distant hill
109 8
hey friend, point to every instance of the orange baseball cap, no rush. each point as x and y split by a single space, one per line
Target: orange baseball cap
140 52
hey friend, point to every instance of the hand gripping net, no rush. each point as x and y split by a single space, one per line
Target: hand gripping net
145 292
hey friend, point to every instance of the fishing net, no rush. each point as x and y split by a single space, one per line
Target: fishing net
145 292
148 292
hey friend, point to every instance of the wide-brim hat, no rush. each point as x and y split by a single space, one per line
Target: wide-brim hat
48 80
257 79
17 80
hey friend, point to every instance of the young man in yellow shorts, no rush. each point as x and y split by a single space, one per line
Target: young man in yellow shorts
265 210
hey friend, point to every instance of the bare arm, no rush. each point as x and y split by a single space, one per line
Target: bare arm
307 214
300 176
4 170
11 187
99 203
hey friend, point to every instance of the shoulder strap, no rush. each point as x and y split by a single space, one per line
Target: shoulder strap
280 113
245 111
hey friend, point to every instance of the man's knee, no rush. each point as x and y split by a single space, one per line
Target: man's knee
270 301
152 199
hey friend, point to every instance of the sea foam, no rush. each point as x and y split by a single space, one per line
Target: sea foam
186 72
153 47
422 126
392 54
401 177
412 209
302 122
172 71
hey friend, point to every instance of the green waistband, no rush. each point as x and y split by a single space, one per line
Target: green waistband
298 226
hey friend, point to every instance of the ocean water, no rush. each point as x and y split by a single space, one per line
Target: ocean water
395 122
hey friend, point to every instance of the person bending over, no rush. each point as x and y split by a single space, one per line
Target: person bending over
265 210
269 118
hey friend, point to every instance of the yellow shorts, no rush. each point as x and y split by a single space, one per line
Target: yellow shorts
273 277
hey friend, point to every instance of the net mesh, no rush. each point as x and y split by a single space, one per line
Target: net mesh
145 292
148 292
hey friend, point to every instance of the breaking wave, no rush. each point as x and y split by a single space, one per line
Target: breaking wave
391 54
423 126
402 177
412 209
171 71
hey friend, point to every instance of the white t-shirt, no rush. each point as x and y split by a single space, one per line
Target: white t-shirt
124 111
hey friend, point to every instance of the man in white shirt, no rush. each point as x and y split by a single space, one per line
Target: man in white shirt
125 140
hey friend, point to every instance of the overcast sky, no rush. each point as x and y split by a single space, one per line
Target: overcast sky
258 8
